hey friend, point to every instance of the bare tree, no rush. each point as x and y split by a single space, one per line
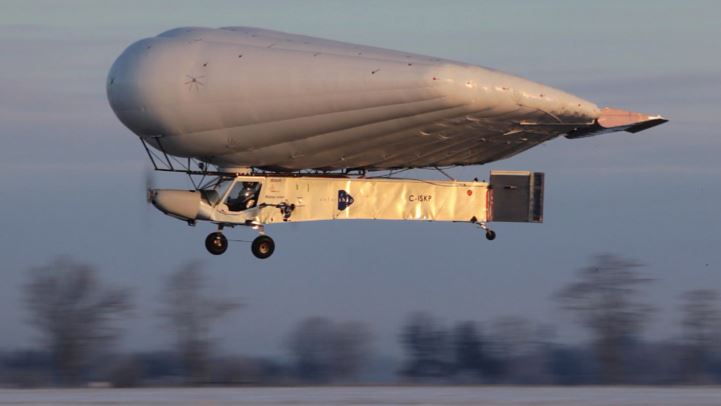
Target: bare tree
427 344
513 337
190 312
324 351
308 344
350 349
74 312
521 345
701 317
472 354
605 300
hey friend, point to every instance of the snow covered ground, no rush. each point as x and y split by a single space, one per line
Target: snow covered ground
358 396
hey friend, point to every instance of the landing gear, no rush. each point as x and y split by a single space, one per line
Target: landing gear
263 246
490 234
216 243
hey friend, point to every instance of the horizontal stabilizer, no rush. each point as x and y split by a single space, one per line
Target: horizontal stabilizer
613 120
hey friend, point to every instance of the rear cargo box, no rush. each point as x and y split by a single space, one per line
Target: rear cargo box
516 196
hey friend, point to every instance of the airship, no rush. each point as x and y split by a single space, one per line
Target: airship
273 127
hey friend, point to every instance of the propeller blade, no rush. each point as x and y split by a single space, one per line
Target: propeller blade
149 185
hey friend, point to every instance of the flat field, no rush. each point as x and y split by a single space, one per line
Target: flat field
369 395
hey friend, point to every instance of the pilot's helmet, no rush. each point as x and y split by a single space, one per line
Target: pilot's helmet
248 185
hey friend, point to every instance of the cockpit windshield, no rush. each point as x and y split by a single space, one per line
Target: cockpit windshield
244 196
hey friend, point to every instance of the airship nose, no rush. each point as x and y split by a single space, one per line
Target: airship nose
183 204
140 84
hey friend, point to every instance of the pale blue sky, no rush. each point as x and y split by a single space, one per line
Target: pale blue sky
72 175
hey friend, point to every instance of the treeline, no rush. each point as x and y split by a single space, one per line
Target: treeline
78 317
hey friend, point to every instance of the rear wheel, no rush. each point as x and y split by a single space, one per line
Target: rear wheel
490 235
263 246
216 243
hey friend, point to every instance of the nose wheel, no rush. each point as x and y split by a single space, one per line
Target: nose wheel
216 243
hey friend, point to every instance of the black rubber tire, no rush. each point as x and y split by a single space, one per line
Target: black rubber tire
490 235
262 247
216 243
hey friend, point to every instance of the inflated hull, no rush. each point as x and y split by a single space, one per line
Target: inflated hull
258 98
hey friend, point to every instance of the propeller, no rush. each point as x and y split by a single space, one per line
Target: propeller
148 180
149 185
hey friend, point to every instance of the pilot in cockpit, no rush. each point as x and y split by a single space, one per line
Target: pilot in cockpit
244 196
